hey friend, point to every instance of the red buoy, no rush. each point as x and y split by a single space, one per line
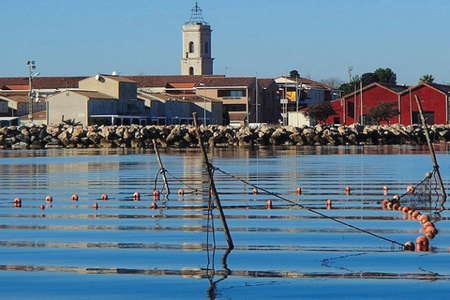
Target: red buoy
42 206
298 191
255 191
384 203
395 206
104 196
181 192
329 204
49 198
95 205
156 194
17 202
269 204
347 190
74 197
422 243
424 218
385 190
408 246
136 196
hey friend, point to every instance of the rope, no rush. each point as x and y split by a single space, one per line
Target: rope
308 209
182 182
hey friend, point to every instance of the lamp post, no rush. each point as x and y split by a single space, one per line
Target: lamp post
31 67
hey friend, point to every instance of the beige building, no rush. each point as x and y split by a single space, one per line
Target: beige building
102 99
196 57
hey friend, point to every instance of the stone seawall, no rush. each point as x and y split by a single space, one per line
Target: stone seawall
64 136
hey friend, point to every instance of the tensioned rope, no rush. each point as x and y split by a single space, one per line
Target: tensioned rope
306 208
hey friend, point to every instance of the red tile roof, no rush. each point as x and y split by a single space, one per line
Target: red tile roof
15 96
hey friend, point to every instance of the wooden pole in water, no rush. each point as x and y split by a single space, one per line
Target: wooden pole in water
213 186
433 154
161 167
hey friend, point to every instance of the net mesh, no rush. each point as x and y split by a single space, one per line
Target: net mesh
424 195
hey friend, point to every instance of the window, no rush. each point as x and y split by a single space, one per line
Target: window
191 71
231 93
351 109
206 47
235 107
191 47
428 115
336 120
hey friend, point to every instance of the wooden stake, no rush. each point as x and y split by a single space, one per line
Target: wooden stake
161 167
433 154
213 186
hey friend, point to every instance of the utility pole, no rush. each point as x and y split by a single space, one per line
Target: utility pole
31 67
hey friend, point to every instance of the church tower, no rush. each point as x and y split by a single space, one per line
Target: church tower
196 59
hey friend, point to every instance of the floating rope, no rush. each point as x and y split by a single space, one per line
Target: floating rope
306 208
196 190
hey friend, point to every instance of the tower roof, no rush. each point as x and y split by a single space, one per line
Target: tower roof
196 16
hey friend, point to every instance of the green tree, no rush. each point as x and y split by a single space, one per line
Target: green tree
427 78
383 112
368 78
294 74
386 76
321 111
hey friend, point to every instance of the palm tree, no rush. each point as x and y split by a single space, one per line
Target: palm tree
427 78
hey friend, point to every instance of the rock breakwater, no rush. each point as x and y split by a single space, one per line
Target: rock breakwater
135 136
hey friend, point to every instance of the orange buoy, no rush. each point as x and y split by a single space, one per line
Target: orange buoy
389 205
415 214
424 218
49 198
408 246
104 196
269 204
422 243
74 197
395 206
181 192
42 206
136 196
156 193
154 205
255 191
329 204
385 190
298 191
405 209
17 202
384 203
400 208
95 205
410 189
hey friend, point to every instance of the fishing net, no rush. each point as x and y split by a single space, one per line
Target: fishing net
424 196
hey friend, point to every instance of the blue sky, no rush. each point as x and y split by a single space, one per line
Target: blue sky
267 38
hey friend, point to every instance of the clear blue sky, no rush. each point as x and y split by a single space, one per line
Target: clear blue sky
320 38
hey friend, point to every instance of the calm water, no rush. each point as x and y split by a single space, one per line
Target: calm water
126 249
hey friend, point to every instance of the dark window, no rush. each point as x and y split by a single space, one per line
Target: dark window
351 109
191 71
235 107
191 47
428 115
206 47
336 120
231 93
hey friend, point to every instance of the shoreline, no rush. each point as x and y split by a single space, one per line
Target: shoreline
184 136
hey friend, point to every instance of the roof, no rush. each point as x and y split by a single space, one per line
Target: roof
442 87
396 89
16 96
43 82
227 81
118 78
16 87
265 82
164 80
181 85
93 94
306 81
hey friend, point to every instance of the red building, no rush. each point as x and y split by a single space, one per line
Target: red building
353 107
435 103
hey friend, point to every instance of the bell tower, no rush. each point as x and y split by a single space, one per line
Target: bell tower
196 59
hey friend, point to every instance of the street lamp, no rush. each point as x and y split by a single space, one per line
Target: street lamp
31 67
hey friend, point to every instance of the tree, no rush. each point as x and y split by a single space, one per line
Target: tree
321 111
368 78
383 112
386 76
294 74
333 82
427 78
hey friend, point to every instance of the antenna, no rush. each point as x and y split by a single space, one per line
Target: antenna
349 71
196 16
